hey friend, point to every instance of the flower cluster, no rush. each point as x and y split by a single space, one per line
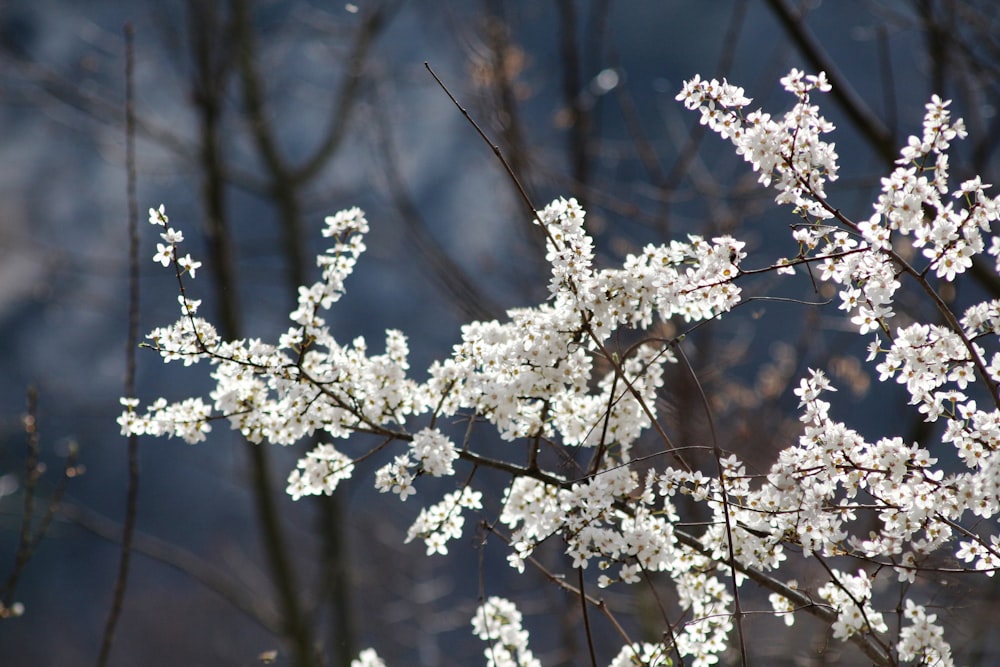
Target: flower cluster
433 454
166 253
918 504
850 596
789 152
498 622
645 654
368 658
921 640
319 472
555 375
444 520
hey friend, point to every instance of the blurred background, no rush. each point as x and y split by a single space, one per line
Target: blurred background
254 120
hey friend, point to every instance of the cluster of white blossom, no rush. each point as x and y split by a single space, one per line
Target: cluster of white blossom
645 654
918 504
368 658
433 454
851 597
319 472
498 622
591 518
444 520
548 373
921 640
788 152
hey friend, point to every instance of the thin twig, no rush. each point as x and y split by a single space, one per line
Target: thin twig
669 633
560 581
731 555
493 146
31 474
586 618
29 536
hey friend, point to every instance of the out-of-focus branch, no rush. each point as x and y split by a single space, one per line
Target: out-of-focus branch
578 120
215 578
679 171
448 277
365 35
501 66
213 66
936 40
212 70
285 183
285 180
131 346
860 115
30 536
46 85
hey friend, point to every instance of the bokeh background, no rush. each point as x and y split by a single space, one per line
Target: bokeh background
255 119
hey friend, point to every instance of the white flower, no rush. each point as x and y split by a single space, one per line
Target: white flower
498 622
158 216
543 376
164 254
368 658
434 451
189 265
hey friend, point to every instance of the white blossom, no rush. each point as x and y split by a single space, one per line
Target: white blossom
554 374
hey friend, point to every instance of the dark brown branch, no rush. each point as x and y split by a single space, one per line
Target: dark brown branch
578 116
212 68
132 341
